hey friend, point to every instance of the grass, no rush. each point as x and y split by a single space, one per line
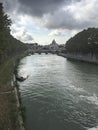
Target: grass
8 106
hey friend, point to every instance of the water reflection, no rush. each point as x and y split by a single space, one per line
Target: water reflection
59 94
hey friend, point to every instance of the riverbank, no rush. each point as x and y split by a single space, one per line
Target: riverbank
9 112
81 57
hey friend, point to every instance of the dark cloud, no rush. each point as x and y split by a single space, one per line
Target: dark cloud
66 20
35 8
60 17
10 5
40 7
75 16
78 14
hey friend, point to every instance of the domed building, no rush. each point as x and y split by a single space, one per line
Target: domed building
54 46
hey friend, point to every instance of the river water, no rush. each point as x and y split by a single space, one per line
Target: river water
59 94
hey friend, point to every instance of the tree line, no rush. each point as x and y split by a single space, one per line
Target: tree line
85 41
8 44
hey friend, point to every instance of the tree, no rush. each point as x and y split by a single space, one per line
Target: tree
84 42
5 22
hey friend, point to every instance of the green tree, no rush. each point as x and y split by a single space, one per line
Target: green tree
85 41
5 22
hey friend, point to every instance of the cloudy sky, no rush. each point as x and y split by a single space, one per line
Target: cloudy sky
44 20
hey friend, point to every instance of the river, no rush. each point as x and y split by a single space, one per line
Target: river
59 94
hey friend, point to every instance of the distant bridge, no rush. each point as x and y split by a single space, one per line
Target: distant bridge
43 51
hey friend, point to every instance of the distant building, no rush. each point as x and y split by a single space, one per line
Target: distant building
54 46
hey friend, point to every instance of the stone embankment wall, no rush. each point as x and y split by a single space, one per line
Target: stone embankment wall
81 57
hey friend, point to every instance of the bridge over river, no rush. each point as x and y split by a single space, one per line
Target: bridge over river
46 51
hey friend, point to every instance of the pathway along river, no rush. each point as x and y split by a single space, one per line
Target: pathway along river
59 94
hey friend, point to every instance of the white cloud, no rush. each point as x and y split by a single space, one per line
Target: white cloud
61 18
57 32
78 16
22 34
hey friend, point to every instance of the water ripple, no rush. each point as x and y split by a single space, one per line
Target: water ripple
58 94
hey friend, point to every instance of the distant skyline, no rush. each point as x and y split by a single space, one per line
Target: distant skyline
42 21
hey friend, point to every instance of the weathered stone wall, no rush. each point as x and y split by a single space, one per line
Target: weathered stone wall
82 57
